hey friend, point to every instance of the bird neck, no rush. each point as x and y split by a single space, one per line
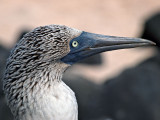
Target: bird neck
44 96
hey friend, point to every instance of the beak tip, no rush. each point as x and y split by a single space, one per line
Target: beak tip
152 43
149 42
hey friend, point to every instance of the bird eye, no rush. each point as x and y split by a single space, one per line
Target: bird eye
74 43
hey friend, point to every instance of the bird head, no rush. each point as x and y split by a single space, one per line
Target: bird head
52 43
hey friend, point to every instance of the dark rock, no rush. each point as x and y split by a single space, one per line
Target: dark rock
5 113
134 94
152 29
4 53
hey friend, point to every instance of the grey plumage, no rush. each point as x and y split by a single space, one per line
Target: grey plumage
30 65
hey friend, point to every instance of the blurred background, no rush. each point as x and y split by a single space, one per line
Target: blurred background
117 85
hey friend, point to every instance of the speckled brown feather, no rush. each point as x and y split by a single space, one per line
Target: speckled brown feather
33 66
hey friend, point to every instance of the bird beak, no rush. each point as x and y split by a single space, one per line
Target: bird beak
101 43
90 44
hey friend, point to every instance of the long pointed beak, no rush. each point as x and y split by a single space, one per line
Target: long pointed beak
100 43
90 44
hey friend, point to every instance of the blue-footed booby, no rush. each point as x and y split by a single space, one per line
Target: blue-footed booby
33 78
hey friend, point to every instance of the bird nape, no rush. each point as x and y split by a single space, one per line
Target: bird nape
33 78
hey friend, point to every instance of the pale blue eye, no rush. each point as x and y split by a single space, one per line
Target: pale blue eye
74 43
